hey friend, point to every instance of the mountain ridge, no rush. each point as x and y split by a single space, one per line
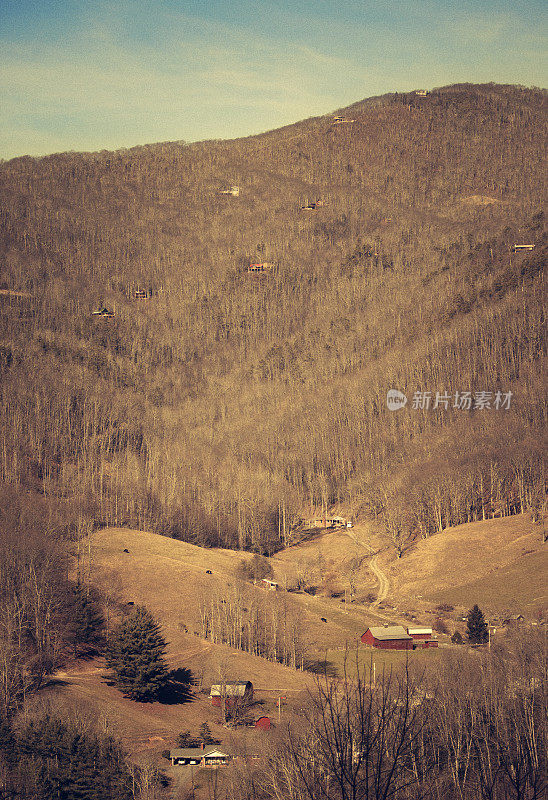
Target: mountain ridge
227 401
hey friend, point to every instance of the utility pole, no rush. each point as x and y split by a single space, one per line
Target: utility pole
279 709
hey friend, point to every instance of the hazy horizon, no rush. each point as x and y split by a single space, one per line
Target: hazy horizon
119 74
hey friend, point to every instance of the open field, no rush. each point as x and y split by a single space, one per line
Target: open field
499 564
170 578
366 659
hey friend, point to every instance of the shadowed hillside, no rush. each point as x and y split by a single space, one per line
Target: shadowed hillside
226 402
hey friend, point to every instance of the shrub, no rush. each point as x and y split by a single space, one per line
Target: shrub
439 625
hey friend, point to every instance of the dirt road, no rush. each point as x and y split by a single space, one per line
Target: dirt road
384 584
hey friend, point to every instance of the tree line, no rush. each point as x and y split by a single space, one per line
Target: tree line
471 728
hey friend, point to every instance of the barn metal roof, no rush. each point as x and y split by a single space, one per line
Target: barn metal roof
418 631
390 632
234 688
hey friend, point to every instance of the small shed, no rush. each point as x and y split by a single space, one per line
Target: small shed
272 586
232 692
199 756
389 637
263 723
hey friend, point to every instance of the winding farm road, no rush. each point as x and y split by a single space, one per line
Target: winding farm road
384 584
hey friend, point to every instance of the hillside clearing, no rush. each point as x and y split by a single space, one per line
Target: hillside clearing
500 562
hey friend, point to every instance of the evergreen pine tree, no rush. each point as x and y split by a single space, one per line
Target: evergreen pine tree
136 656
57 760
477 630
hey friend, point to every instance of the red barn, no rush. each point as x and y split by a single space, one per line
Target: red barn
389 637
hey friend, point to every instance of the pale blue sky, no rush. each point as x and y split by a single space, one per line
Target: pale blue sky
100 74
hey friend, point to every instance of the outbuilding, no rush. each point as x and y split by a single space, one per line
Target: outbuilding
232 692
420 633
270 585
422 637
388 637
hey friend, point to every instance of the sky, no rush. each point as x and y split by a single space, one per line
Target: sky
94 74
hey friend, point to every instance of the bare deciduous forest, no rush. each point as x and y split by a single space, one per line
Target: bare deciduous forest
198 411
151 379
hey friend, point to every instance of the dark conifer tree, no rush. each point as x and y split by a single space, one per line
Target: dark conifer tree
476 626
57 760
136 656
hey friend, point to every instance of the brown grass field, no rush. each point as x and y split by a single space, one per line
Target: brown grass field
500 564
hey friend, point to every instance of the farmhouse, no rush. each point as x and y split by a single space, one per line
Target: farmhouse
389 637
199 756
270 585
232 692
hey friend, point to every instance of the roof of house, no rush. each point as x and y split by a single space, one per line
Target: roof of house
234 688
390 632
196 752
419 631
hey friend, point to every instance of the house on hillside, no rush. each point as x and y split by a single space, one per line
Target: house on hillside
388 637
232 692
259 267
142 294
199 756
327 522
272 586
421 92
103 312
234 191
341 120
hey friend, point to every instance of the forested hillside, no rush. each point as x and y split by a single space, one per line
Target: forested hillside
228 400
